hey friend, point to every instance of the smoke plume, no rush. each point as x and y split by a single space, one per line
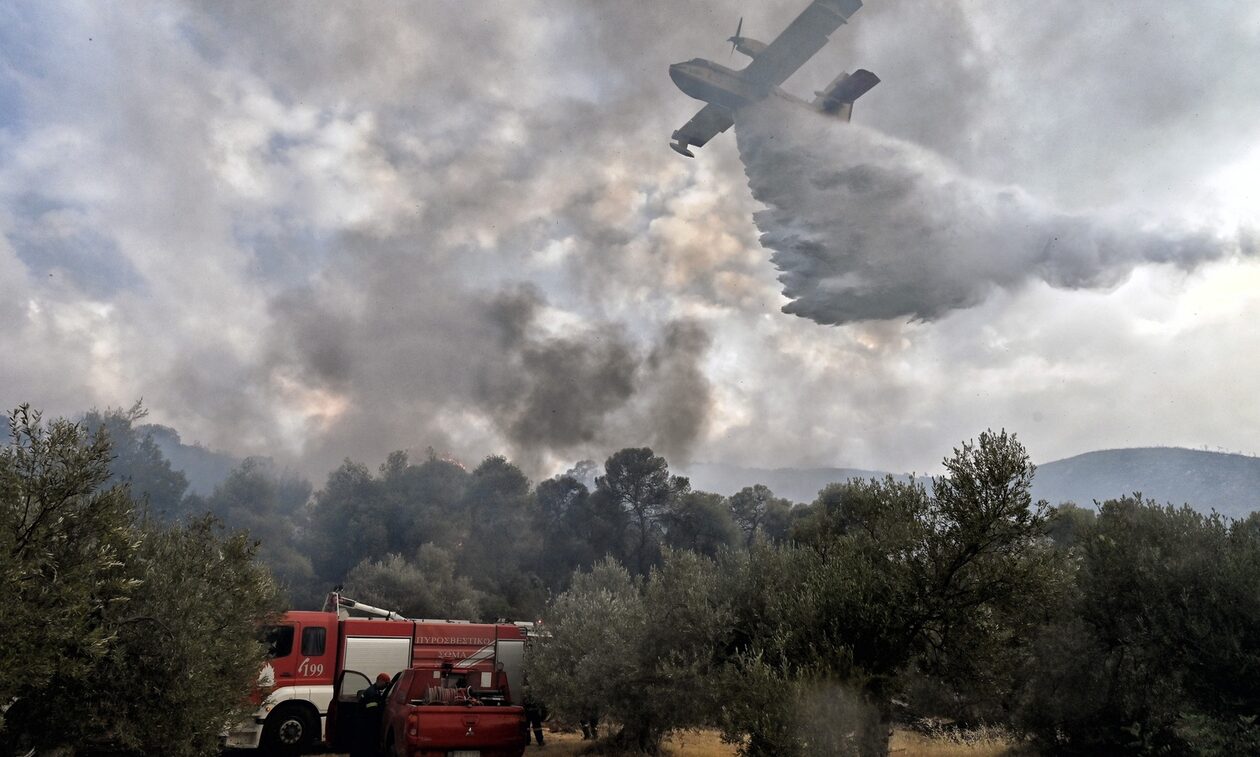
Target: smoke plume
427 361
865 226
588 389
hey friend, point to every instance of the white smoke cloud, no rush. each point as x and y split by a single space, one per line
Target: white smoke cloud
288 231
867 227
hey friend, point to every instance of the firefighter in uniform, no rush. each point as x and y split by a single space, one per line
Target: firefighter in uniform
535 714
590 726
371 705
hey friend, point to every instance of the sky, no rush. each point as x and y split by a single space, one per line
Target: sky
325 231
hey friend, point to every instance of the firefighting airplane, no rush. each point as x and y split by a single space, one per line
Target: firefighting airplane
726 90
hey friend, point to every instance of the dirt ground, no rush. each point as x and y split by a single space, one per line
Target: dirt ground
691 744
709 744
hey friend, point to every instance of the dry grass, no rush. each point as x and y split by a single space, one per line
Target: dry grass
904 744
981 743
687 744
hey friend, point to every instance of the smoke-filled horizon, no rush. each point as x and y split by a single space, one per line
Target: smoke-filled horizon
394 226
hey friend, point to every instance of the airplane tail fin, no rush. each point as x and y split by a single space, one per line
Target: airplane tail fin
838 98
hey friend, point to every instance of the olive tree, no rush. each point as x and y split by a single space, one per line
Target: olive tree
890 579
1160 643
65 541
146 635
642 652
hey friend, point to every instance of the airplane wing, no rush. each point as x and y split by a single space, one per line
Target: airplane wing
798 43
703 126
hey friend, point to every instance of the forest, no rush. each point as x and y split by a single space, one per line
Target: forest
1124 626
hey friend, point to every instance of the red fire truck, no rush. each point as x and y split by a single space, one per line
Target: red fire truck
308 650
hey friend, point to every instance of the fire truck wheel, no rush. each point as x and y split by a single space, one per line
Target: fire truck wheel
288 730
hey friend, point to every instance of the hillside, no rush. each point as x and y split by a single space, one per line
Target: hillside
1225 482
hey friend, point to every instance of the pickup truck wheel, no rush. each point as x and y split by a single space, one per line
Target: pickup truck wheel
288 731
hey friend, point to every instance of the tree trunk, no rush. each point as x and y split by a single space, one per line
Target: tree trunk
637 740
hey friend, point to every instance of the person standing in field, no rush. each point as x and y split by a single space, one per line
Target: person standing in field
535 714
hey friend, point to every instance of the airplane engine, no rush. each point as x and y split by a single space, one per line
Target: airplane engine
746 45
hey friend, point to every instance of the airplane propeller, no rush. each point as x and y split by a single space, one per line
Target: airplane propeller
735 40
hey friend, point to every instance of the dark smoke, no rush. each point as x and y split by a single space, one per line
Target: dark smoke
414 358
680 403
593 388
556 392
865 227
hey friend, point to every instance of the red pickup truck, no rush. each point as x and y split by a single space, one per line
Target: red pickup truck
433 713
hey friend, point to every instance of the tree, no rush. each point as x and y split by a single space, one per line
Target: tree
1068 523
590 653
65 542
1161 641
890 579
186 652
584 472
638 481
990 571
564 522
887 512
424 501
641 652
700 522
349 522
833 615
429 587
271 506
501 544
760 514
147 634
139 462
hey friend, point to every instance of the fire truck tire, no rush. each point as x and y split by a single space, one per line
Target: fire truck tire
289 730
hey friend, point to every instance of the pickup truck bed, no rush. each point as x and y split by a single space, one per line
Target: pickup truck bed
418 723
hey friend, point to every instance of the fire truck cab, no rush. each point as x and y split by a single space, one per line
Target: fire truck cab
308 650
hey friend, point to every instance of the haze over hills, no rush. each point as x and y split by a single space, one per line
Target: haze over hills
1228 483
204 468
796 484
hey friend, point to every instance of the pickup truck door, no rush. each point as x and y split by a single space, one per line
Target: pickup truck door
345 711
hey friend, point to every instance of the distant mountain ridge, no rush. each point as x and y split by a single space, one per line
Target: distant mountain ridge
1227 483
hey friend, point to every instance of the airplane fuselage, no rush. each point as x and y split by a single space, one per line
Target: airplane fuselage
727 91
715 83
